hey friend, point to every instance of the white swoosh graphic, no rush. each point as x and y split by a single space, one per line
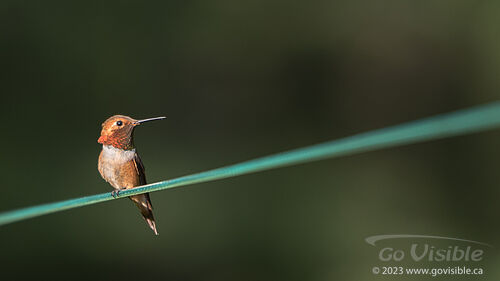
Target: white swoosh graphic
372 239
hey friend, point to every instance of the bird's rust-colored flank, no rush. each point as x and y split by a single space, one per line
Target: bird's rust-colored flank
119 163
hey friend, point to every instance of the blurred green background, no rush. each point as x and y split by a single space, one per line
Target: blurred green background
239 80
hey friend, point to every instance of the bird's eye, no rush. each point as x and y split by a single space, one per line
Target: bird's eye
119 123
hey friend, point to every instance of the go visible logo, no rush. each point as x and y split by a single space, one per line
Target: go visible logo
471 251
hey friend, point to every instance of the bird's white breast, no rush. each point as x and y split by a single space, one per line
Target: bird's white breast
117 155
112 159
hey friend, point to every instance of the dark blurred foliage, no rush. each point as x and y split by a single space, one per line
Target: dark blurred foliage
239 80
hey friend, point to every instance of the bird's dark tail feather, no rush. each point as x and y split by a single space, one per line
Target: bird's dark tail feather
143 202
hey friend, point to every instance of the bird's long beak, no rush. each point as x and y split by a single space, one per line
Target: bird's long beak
139 122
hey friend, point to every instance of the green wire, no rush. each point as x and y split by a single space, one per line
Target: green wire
445 125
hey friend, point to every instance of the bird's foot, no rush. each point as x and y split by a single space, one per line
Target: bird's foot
115 193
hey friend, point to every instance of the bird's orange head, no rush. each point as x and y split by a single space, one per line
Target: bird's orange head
118 131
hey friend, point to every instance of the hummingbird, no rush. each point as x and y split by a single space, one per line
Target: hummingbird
120 165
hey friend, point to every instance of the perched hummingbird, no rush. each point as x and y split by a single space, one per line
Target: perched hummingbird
119 163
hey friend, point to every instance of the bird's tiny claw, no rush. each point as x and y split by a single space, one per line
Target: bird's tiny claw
115 193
